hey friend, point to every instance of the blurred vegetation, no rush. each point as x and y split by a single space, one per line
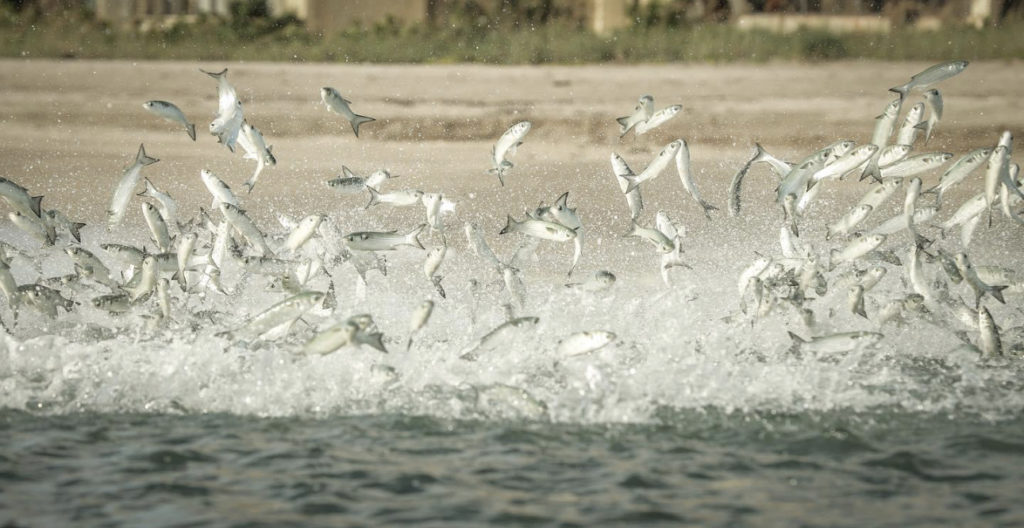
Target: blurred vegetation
530 34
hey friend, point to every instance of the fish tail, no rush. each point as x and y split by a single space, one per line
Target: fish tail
374 197
75 230
216 75
997 293
634 183
632 230
142 159
871 169
707 209
760 154
191 129
623 125
413 237
375 340
437 285
36 205
358 120
903 91
510 224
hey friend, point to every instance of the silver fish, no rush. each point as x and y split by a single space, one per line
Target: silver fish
835 343
930 76
601 280
281 315
686 176
303 232
885 124
988 335
218 189
348 182
126 188
256 148
86 260
45 300
915 165
167 206
622 175
846 163
980 288
397 198
855 249
171 112
419 320
912 125
432 263
893 153
898 223
850 220
643 111
497 336
855 300
157 226
539 229
34 226
960 170
241 221
582 343
934 101
384 241
506 146
18 198
339 105
656 167
659 118
658 239
228 123
146 282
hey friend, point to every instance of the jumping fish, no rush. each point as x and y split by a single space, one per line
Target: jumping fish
281 315
506 146
643 111
686 176
930 76
384 241
339 105
171 112
656 167
933 99
256 148
622 175
419 320
582 343
539 229
658 119
228 123
126 188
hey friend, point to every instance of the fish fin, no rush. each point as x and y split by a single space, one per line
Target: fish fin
142 159
623 125
871 169
191 129
860 311
509 225
413 236
358 120
797 340
634 183
563 199
36 205
632 230
997 293
437 285
708 208
75 231
375 340
216 75
374 197
903 91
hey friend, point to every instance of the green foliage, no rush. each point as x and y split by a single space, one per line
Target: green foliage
474 35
